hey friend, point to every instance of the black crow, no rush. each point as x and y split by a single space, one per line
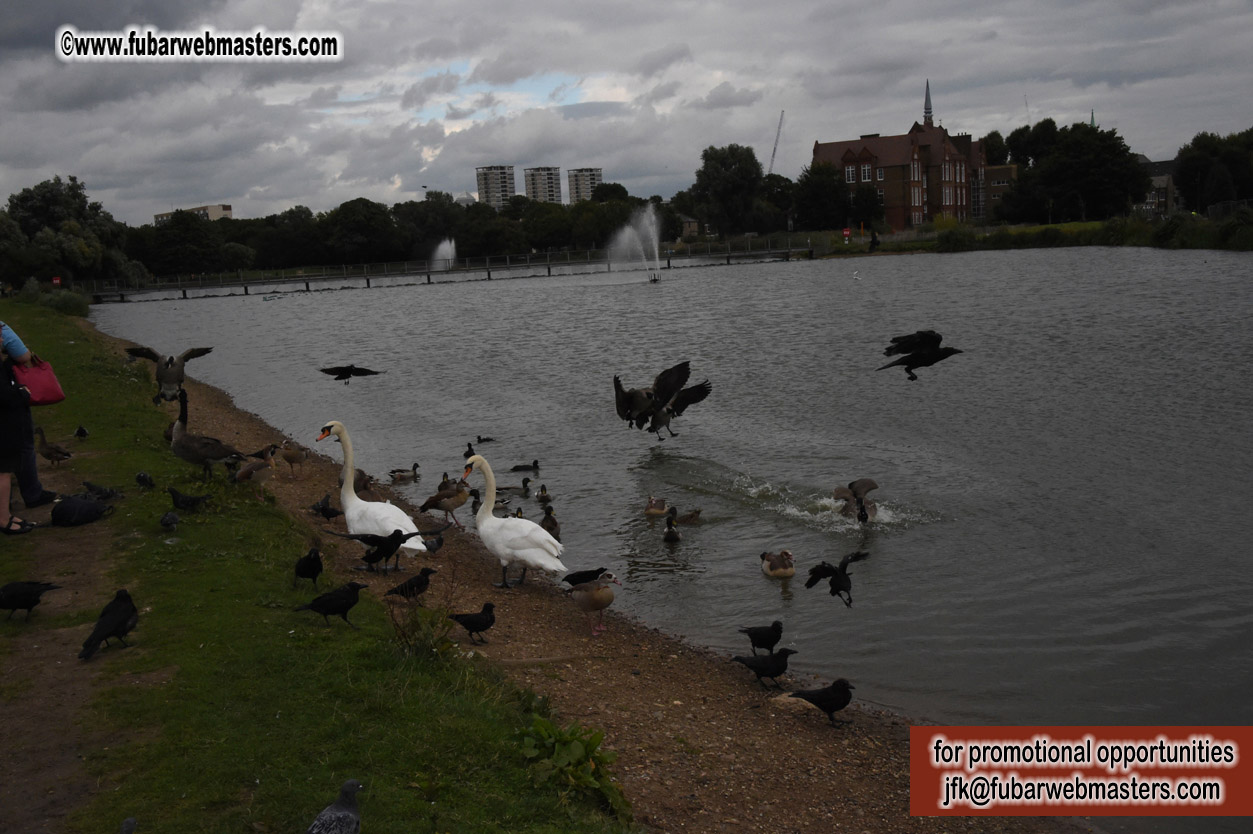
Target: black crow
578 577
144 480
347 372
116 620
308 566
830 699
169 369
766 666
764 637
380 548
841 585
338 602
340 817
414 586
920 350
24 594
186 503
477 623
324 508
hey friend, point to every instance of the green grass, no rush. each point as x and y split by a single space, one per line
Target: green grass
238 714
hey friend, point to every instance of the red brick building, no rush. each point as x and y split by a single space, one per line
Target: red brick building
920 175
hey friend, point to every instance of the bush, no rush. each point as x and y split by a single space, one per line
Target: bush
571 757
956 240
66 302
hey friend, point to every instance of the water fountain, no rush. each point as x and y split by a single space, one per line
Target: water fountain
445 255
639 241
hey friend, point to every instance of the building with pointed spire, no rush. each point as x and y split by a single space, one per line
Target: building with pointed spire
920 175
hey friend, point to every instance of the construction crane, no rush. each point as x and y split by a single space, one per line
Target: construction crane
777 133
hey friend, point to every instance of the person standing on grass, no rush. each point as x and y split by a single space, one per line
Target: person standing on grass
14 414
21 426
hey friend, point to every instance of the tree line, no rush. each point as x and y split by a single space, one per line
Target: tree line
1071 173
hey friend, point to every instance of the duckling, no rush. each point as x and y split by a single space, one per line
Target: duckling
655 507
405 476
542 496
672 535
549 522
53 452
687 518
779 565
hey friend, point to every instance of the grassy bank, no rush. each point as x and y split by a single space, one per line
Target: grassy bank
232 712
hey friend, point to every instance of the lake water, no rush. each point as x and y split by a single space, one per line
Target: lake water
1064 519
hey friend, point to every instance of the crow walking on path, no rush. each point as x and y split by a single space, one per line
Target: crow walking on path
338 602
477 623
414 586
116 620
767 666
830 699
764 637
24 595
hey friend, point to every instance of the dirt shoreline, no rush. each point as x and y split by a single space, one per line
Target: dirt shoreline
701 746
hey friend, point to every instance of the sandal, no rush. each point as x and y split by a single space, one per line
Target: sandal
16 526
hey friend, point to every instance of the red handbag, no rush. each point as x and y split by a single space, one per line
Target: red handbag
39 379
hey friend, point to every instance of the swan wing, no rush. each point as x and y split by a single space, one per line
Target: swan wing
380 519
522 540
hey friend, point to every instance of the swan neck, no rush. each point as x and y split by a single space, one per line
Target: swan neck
489 497
347 493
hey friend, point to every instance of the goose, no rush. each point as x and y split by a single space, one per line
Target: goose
53 452
378 517
655 507
550 523
448 500
687 518
524 490
637 405
594 597
779 565
197 448
675 406
856 505
672 534
542 496
169 369
404 476
294 455
257 472
512 539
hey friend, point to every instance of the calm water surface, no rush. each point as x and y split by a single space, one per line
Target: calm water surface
1064 522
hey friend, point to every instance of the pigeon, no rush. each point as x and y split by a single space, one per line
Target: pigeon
921 349
116 620
81 433
340 817
841 585
169 369
170 521
338 602
477 623
764 637
766 666
186 503
144 480
324 508
347 372
23 595
308 566
830 699
101 493
414 586
128 826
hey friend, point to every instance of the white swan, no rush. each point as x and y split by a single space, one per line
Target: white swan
512 539
377 517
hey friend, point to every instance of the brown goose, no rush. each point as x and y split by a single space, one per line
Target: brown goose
53 452
294 455
197 448
448 500
655 507
594 597
779 565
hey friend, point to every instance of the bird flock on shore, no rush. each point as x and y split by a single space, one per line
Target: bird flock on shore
385 530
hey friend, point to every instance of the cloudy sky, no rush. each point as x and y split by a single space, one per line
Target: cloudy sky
429 89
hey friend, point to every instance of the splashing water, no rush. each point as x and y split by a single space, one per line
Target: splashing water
445 254
639 240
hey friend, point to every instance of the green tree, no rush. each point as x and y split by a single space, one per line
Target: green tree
995 151
608 191
865 208
362 231
185 244
726 187
822 200
1212 168
546 226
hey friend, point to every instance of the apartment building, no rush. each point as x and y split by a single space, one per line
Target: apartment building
583 182
495 184
543 184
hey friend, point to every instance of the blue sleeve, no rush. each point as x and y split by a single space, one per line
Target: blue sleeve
12 342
